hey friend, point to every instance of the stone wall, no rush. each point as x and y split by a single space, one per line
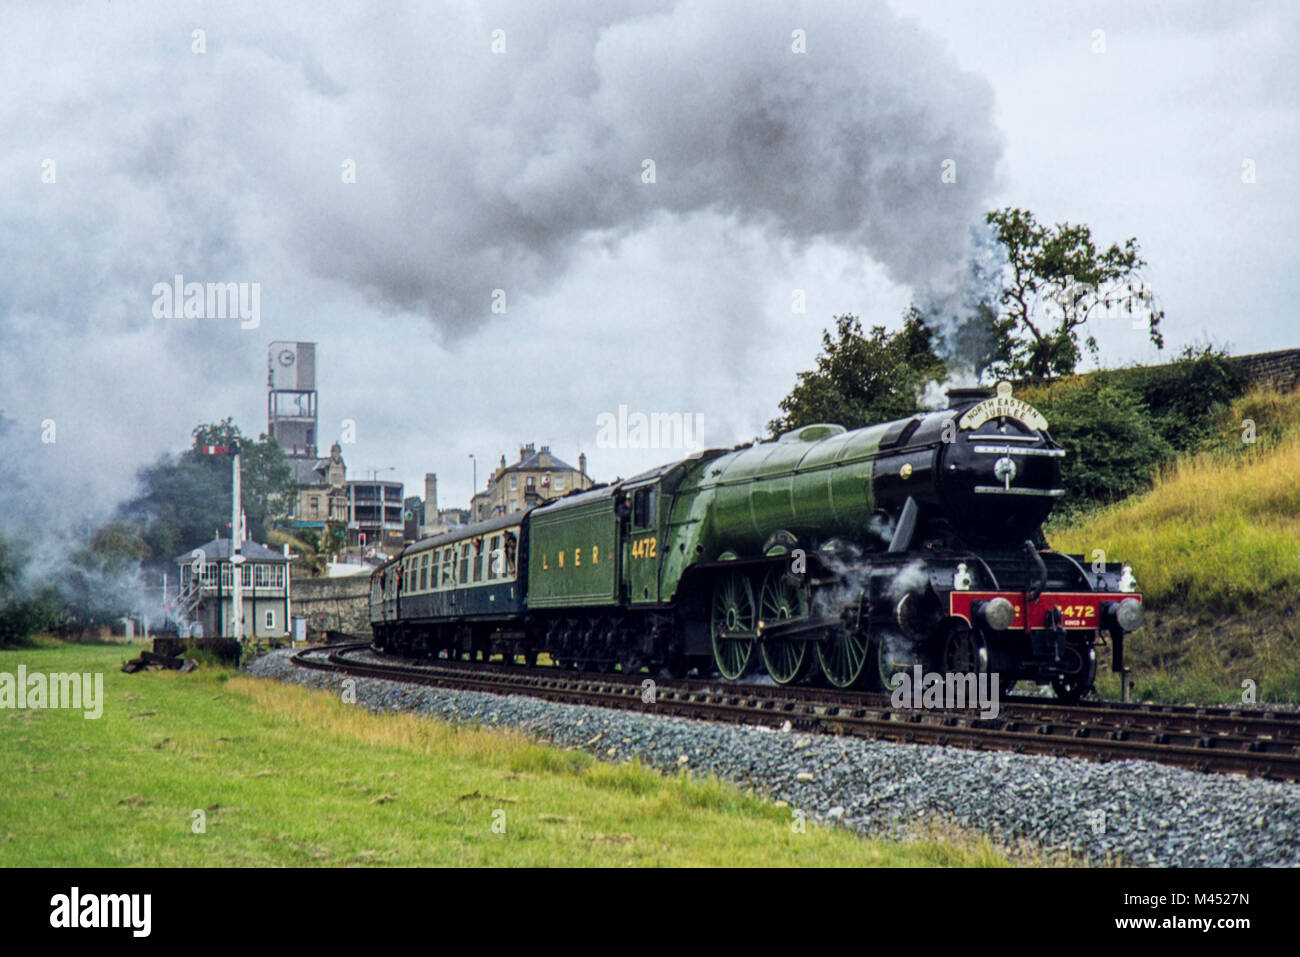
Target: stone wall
332 604
1281 368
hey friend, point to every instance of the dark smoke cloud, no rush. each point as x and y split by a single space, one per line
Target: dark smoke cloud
507 160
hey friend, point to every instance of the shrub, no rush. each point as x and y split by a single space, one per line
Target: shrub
1113 447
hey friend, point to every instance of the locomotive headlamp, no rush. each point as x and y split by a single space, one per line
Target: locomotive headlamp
1125 615
997 613
1128 614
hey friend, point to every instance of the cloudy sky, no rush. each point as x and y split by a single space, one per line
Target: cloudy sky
386 174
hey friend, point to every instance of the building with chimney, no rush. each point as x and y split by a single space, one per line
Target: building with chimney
436 520
536 478
322 490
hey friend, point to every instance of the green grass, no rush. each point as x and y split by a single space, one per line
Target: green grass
1215 545
288 776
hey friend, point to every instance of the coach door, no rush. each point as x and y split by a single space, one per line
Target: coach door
643 542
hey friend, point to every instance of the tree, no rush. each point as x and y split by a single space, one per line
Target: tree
861 380
186 499
267 483
1055 280
24 611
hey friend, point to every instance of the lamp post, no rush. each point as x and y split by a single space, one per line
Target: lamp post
473 490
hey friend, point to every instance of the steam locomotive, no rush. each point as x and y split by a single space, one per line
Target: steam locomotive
826 554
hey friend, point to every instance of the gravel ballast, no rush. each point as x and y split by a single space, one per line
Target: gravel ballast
1133 812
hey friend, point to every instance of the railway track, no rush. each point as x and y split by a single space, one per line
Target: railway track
1241 741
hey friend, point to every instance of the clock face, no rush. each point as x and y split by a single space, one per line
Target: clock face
286 357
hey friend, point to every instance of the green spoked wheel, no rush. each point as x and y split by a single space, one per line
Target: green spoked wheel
891 655
733 610
785 660
843 657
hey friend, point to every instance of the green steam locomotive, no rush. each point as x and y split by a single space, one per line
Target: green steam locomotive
827 555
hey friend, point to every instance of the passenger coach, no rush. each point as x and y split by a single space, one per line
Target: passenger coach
454 592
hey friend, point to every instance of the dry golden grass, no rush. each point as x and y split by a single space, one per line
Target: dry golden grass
1218 530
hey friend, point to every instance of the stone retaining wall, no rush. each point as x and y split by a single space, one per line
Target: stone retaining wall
332 604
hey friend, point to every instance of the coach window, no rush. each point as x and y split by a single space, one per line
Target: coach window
464 563
447 560
512 546
494 558
478 559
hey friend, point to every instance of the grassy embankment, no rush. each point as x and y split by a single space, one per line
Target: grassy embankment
287 776
1215 545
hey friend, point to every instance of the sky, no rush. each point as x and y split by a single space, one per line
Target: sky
453 201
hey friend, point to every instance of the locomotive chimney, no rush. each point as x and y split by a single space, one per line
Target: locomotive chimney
962 397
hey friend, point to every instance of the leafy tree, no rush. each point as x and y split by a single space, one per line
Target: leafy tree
336 537
1055 280
186 498
861 380
266 480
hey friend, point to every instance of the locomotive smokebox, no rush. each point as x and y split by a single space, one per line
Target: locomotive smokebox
959 398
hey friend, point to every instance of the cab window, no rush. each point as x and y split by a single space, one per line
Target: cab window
643 507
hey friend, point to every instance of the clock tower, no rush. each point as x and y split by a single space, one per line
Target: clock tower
291 397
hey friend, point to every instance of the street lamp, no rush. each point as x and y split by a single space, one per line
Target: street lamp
473 490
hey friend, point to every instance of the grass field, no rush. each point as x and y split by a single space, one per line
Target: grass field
1215 546
287 776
